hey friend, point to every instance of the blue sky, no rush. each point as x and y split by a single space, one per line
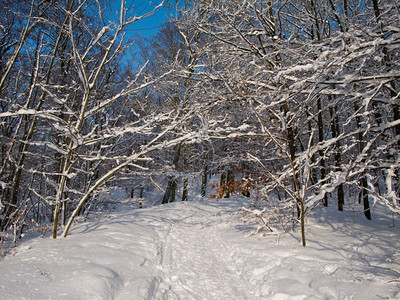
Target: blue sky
146 27
150 25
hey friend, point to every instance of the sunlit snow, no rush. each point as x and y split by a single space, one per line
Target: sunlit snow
203 250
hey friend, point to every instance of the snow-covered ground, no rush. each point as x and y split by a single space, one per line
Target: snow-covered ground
203 250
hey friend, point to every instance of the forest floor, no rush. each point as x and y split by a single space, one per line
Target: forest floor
203 250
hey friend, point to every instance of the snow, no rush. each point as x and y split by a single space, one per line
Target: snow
203 250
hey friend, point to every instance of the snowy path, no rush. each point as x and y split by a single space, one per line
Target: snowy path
194 262
202 251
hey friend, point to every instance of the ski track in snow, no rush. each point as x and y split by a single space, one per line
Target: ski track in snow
201 250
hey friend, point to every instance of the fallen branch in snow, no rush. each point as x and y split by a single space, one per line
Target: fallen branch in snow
258 214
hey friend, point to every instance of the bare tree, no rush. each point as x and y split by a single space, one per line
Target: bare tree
289 71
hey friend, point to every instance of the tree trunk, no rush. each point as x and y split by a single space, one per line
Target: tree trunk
367 210
204 181
186 155
204 176
338 159
292 152
141 189
321 152
167 193
363 180
170 191
223 183
229 181
185 190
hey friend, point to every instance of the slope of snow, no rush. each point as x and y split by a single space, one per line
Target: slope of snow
202 250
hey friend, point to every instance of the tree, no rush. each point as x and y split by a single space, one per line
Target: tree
72 101
288 71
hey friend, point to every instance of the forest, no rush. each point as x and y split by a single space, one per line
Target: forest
294 103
